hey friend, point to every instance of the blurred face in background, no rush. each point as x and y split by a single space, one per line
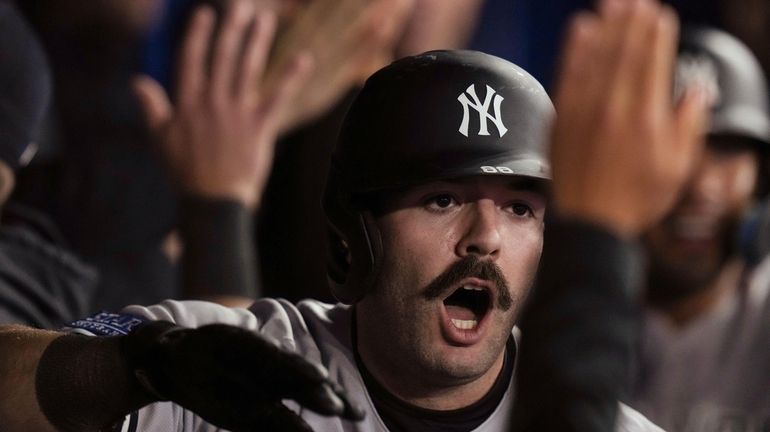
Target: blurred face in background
689 247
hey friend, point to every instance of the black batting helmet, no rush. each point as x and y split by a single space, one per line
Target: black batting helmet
733 78
438 115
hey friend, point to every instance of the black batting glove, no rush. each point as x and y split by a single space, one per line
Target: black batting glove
231 377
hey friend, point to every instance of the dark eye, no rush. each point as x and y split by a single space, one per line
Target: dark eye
440 202
443 201
521 209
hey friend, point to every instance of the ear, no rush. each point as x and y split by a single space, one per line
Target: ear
7 182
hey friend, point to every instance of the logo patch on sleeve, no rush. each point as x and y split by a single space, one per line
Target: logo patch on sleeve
106 324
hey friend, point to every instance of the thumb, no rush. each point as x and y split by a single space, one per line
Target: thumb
155 104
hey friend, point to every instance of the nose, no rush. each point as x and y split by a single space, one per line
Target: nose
481 234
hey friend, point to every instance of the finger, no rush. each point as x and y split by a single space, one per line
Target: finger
191 69
309 384
255 56
227 51
613 16
633 55
155 104
329 399
371 45
302 371
657 81
352 411
574 71
275 106
621 52
280 418
574 106
319 398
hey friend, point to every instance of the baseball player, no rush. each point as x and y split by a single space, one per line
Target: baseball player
436 201
436 204
703 354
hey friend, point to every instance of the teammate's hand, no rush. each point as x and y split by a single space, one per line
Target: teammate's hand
621 150
219 136
348 39
231 377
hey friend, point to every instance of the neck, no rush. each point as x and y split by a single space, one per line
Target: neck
692 307
415 386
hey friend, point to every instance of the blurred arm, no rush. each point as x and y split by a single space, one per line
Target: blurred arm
620 152
218 139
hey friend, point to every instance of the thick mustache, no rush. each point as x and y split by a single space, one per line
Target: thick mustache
471 266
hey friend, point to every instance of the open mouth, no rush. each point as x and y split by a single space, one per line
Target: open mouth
467 306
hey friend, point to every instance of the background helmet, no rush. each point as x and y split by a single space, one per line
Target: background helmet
734 79
438 115
739 95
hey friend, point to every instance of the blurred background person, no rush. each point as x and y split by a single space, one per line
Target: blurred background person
41 284
97 175
704 352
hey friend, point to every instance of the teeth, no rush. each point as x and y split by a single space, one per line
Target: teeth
465 324
472 288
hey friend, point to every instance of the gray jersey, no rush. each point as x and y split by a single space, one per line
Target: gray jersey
317 331
713 374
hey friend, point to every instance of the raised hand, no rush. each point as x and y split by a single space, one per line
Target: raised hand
231 377
219 135
349 40
621 150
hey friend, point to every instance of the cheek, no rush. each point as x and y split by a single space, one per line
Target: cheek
426 246
521 255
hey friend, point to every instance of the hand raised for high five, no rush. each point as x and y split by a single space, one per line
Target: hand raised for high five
621 150
219 135
349 40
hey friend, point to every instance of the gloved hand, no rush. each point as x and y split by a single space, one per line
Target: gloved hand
231 377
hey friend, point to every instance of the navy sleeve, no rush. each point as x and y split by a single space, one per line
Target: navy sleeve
219 253
578 331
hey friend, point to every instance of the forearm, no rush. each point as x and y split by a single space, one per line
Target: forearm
21 349
219 257
578 331
87 383
72 382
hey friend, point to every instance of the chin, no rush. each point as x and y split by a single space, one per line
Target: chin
466 363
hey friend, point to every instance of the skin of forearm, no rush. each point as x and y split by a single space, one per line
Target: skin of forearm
53 381
21 349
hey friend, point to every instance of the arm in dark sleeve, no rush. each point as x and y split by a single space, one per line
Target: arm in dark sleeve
578 331
219 255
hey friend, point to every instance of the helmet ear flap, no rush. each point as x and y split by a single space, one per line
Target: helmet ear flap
354 236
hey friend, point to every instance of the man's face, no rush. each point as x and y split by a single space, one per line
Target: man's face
459 258
688 248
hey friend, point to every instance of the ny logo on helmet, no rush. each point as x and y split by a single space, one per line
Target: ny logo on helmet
482 109
697 69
